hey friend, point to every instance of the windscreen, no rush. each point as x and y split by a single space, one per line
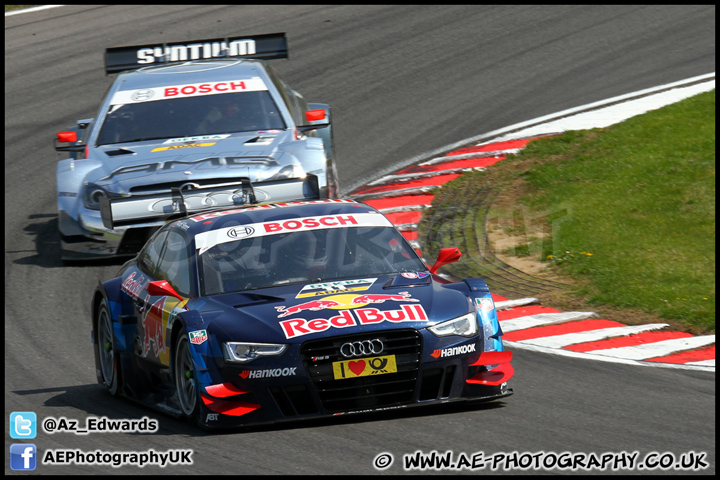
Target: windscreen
191 116
307 256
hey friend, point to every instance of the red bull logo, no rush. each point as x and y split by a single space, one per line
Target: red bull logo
314 305
350 318
381 298
131 286
153 324
337 302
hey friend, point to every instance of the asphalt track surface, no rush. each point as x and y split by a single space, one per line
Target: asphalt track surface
401 81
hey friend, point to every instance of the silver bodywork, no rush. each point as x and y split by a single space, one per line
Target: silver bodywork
142 183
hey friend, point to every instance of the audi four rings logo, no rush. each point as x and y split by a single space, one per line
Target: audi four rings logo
365 347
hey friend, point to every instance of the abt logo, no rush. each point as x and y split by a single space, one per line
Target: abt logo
23 456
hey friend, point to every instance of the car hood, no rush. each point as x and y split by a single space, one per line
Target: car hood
293 314
152 166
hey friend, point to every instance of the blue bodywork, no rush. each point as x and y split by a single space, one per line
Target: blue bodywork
396 309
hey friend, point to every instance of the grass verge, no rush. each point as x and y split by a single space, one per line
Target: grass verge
624 214
9 8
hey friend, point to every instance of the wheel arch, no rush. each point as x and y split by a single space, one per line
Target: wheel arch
98 296
177 327
184 321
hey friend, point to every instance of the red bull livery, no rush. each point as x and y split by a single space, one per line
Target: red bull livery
312 305
288 311
380 298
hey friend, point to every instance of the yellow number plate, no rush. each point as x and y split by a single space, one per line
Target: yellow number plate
364 367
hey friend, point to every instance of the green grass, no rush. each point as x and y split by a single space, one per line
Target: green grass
17 7
638 227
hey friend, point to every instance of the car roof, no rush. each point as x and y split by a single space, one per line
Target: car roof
246 215
217 70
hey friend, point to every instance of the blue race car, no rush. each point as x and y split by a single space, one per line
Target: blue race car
278 312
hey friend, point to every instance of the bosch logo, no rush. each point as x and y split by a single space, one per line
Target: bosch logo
365 347
142 95
240 232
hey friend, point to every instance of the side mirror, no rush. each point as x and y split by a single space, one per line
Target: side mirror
76 148
64 137
445 256
69 137
315 115
161 288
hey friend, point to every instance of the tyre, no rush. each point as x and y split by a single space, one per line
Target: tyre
106 349
185 379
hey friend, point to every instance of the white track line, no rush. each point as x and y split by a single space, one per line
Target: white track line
393 193
519 130
449 158
566 339
465 156
406 227
630 104
703 363
28 10
413 176
521 323
407 208
505 304
656 349
612 114
601 358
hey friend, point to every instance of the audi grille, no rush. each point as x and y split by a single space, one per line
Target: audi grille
364 392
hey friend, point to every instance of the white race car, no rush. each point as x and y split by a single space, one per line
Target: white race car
185 128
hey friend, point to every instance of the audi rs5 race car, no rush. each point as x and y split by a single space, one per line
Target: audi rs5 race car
208 118
288 311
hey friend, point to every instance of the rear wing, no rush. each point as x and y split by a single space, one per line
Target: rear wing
266 47
138 209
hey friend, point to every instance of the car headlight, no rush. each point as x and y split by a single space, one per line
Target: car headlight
465 326
92 194
247 352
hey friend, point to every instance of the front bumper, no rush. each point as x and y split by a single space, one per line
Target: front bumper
271 391
86 238
122 226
